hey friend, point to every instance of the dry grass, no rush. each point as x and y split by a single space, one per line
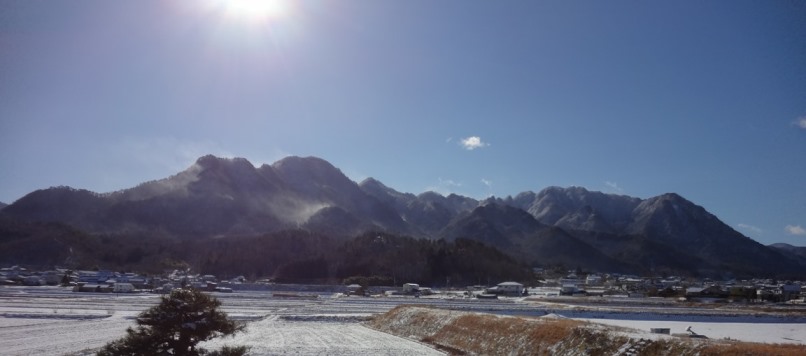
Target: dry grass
412 322
484 334
459 333
746 348
671 347
493 335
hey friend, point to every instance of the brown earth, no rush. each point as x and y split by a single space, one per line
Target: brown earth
466 333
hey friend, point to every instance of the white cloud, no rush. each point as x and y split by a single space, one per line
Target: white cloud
750 228
795 230
614 187
801 122
473 142
486 182
449 183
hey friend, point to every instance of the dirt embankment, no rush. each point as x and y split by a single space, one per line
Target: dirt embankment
465 333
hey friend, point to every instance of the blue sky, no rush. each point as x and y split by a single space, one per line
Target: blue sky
703 98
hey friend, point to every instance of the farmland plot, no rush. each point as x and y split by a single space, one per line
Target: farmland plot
50 321
276 336
55 321
58 336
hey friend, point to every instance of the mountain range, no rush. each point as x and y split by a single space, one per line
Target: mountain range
571 227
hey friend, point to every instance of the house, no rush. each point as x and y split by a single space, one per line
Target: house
507 288
123 288
789 292
571 278
164 289
95 276
32 281
411 288
593 280
571 289
13 272
51 277
96 288
710 292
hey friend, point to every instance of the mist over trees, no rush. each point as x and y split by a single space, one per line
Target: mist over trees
299 257
289 256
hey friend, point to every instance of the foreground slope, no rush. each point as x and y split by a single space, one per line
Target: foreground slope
461 332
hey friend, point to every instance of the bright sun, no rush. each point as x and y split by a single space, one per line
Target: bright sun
256 9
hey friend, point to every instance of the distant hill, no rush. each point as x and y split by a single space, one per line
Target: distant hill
37 243
793 252
3 205
518 233
566 227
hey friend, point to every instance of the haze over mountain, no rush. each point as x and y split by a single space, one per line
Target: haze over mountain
471 97
573 227
795 252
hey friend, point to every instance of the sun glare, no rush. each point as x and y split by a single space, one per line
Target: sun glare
256 9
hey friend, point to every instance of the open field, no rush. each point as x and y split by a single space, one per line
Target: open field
56 321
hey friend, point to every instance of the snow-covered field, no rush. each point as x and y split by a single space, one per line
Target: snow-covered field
56 321
737 323
53 336
772 333
276 336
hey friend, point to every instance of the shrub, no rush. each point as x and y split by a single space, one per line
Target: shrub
174 327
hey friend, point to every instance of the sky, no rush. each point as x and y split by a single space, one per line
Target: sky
706 99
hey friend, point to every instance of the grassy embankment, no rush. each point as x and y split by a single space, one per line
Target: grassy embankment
460 333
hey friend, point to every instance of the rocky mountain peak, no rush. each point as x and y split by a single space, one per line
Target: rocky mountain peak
213 162
314 177
372 182
554 204
308 164
385 194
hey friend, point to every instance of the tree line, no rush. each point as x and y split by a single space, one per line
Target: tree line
291 256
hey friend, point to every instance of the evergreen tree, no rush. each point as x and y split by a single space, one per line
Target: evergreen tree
174 327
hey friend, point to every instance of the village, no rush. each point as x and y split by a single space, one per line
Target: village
76 311
572 284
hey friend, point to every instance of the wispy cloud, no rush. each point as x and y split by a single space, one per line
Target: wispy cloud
167 153
795 230
750 228
614 188
801 122
449 183
486 182
473 142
